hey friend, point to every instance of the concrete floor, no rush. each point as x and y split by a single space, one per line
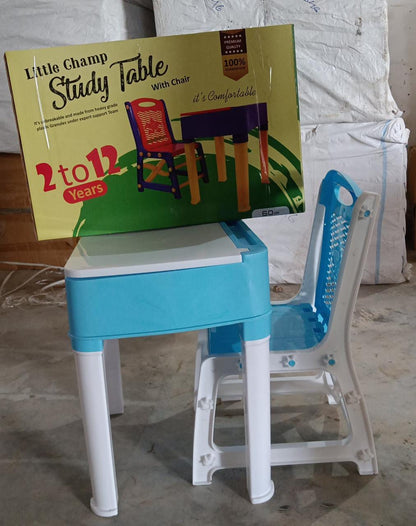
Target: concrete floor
44 475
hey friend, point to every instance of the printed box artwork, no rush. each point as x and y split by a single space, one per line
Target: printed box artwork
159 132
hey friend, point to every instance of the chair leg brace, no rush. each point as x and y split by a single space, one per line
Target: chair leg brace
358 446
338 382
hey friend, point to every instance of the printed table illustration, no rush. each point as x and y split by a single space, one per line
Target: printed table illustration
236 121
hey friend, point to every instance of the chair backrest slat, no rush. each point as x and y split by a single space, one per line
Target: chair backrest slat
151 118
338 195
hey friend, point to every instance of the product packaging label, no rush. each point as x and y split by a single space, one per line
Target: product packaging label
159 132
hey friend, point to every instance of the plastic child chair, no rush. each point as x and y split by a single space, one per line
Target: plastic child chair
154 139
310 346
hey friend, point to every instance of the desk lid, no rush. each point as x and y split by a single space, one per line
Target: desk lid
155 251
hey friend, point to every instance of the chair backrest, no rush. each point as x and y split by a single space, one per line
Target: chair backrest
339 243
338 195
150 123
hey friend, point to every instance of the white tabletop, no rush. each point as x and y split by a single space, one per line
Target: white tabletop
152 251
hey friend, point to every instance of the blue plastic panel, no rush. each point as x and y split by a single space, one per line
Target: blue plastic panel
166 302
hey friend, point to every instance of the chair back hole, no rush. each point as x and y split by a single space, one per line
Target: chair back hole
146 104
344 196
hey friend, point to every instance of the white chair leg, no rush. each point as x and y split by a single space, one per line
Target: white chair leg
256 378
97 431
113 377
366 458
201 353
362 445
207 456
204 453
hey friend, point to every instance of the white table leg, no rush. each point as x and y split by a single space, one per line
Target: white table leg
113 377
97 431
256 374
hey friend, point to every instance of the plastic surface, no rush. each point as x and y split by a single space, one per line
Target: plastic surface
207 456
309 337
113 377
97 431
302 330
256 371
124 305
338 213
119 306
156 251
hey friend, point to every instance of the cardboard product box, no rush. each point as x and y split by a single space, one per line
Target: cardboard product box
159 132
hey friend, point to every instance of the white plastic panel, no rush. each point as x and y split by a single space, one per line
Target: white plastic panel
152 251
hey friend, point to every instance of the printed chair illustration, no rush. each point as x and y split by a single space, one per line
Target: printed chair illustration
154 139
310 343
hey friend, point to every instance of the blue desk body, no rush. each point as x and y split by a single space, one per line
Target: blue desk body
166 281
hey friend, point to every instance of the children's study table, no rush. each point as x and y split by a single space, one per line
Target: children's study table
236 121
167 281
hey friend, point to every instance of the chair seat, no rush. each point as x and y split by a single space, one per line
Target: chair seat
294 327
174 148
